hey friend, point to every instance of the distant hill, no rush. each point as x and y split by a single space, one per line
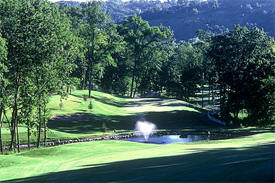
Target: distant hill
185 17
215 15
120 9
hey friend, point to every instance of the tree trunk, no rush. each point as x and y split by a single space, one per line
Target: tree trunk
222 100
39 111
90 82
14 115
29 134
45 132
1 143
45 125
18 141
7 119
84 79
135 91
132 84
40 125
209 92
202 95
213 97
90 67
133 77
13 127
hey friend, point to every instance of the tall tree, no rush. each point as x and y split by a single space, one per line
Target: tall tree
140 36
115 74
244 60
95 19
3 84
190 65
39 53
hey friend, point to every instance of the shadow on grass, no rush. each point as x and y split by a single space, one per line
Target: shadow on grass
88 123
106 100
253 164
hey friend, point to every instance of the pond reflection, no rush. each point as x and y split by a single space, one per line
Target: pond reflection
168 139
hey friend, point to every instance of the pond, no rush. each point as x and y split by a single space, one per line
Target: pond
168 139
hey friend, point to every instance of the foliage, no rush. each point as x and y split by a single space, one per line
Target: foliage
50 49
39 59
216 15
144 41
244 61
90 106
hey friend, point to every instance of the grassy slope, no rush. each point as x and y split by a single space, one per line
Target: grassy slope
75 104
120 161
115 113
125 161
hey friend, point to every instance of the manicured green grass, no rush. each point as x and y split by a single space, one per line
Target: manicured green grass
239 160
104 105
250 158
117 114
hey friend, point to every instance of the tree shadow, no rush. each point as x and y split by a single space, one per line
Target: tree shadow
250 164
77 96
83 123
106 100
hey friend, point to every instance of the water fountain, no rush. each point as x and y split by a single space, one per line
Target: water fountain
145 128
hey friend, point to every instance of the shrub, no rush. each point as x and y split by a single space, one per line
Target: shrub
85 97
61 105
104 127
90 106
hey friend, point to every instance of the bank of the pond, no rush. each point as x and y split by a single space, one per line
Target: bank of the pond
198 135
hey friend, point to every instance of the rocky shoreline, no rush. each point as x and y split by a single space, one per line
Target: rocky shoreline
212 135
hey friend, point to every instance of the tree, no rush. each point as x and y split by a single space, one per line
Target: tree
74 13
115 74
3 84
244 60
139 37
95 19
41 51
190 65
153 56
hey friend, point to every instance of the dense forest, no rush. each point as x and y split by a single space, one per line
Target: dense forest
185 17
48 49
216 15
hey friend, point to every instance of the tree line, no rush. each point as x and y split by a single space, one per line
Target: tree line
48 49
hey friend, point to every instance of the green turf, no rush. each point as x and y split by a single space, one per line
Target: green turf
115 113
246 159
236 160
104 105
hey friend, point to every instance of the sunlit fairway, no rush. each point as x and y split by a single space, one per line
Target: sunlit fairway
167 108
117 114
244 159
248 158
104 105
